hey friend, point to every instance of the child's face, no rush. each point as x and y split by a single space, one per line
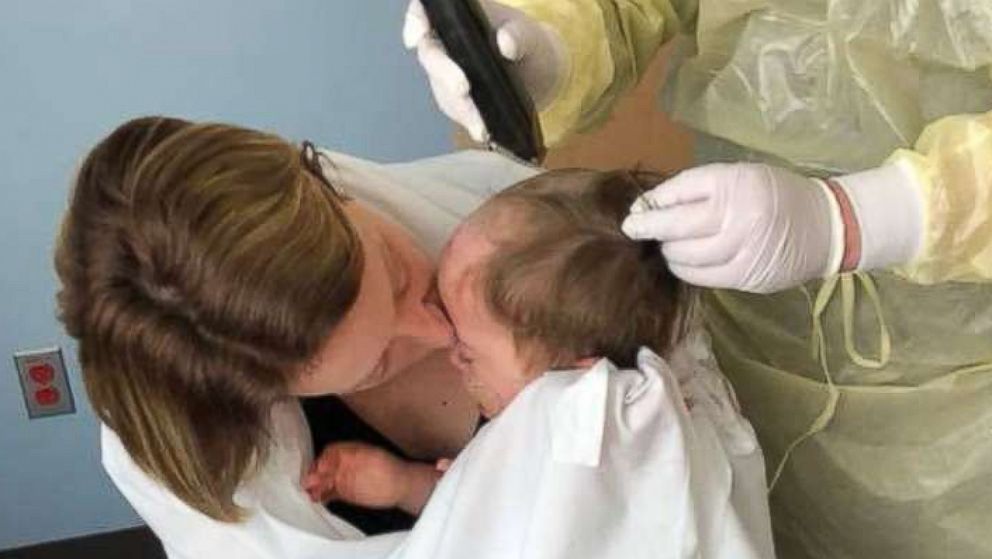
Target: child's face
492 368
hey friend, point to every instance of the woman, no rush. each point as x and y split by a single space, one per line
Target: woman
212 273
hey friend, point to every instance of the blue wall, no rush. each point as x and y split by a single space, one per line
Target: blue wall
333 71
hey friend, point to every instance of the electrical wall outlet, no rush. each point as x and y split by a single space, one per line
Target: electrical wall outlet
44 382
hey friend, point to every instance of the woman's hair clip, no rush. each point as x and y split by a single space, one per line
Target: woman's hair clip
311 157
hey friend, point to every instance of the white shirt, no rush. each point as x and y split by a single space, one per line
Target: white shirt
592 464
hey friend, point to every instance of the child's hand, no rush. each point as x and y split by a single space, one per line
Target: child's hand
368 476
357 473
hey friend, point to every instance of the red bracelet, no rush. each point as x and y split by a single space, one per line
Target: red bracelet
852 229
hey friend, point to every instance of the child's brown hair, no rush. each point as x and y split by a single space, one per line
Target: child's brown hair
567 281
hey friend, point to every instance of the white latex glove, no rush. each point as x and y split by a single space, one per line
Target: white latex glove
761 229
535 50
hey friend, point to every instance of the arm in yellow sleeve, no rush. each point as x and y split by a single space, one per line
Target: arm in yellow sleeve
952 161
610 44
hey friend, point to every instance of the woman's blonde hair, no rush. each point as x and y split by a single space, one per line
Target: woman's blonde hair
202 266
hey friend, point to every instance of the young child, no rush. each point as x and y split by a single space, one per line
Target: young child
541 278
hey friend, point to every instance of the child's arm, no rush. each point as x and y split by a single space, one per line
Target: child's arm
368 476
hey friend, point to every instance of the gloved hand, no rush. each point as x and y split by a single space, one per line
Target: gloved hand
761 229
536 51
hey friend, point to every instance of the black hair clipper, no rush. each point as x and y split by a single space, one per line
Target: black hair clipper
507 110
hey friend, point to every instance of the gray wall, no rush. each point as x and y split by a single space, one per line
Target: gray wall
333 71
